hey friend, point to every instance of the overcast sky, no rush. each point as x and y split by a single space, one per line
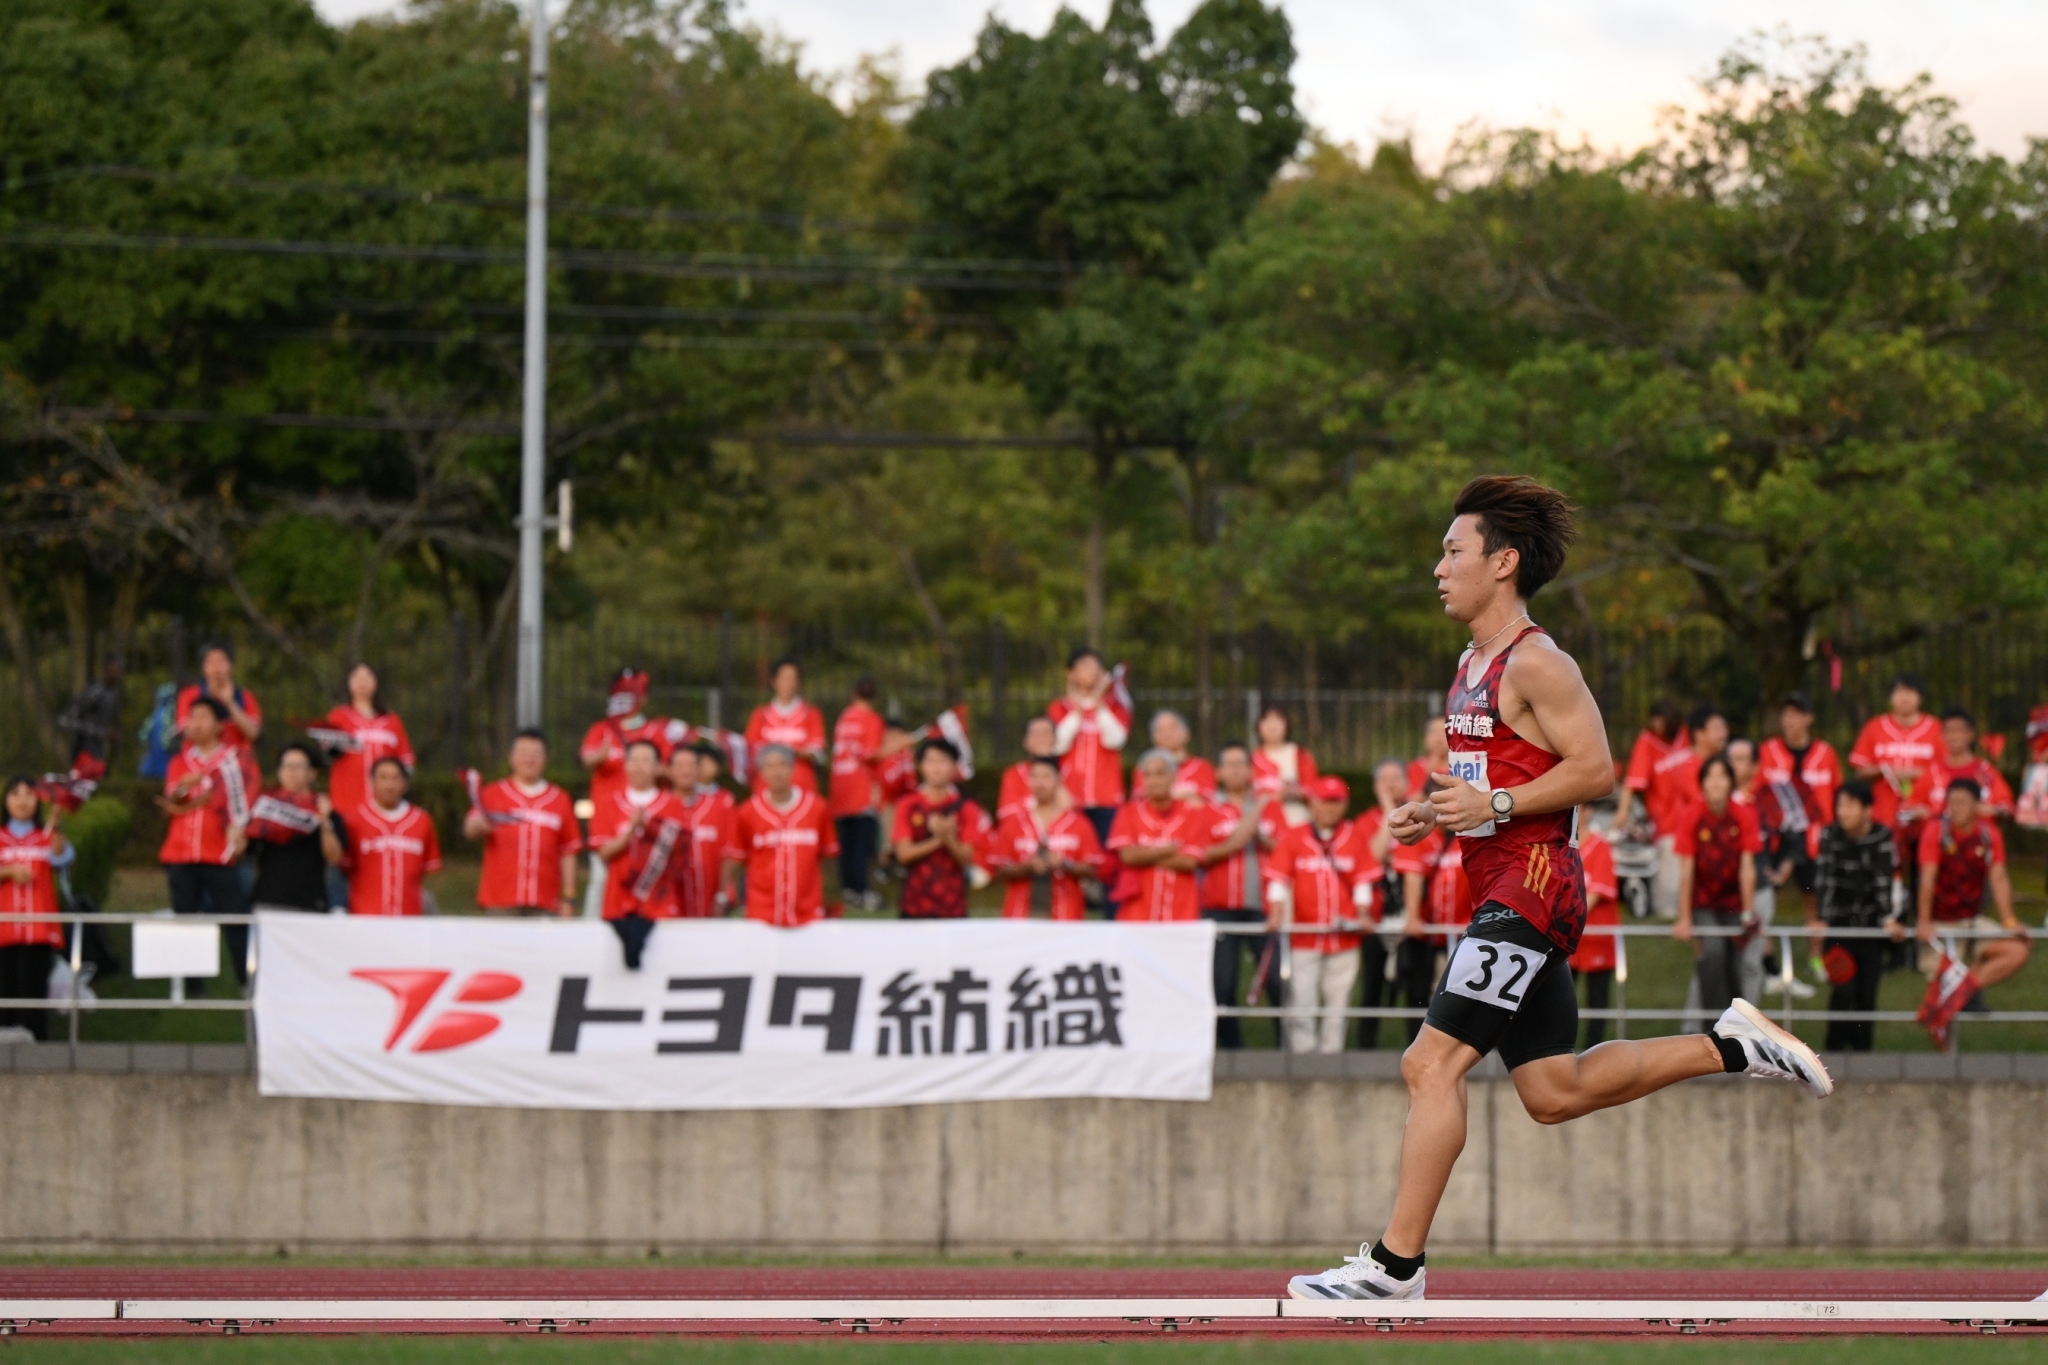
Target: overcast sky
1602 68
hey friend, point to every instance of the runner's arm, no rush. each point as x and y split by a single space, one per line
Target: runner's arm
1550 685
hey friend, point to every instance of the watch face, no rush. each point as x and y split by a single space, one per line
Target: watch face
1502 803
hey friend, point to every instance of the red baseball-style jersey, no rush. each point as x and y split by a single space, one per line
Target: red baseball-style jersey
935 886
1787 783
1603 904
606 741
641 877
230 733
1159 893
782 851
1665 775
530 831
225 779
389 855
708 812
1235 883
1269 778
1015 792
1893 748
348 776
898 775
1930 793
1439 859
800 725
36 896
1068 836
1194 779
1716 843
1962 864
856 736
1323 876
1529 864
1091 739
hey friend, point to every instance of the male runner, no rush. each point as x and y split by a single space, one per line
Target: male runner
1527 747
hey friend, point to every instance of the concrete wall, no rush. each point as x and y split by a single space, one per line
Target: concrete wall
197 1163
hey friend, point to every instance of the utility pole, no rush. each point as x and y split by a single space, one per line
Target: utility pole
533 425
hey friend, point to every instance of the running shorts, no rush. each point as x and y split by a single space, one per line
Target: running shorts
1507 987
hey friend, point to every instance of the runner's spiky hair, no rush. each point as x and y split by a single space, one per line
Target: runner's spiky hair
1515 510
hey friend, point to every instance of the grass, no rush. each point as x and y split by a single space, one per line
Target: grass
536 1350
1659 969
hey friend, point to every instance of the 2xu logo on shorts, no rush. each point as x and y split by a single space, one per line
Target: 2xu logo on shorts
1497 974
413 989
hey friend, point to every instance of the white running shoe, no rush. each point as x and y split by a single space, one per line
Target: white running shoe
1360 1277
1772 1051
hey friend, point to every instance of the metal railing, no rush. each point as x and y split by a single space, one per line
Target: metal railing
75 1005
1619 1013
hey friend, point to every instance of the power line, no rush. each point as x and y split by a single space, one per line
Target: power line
829 270
605 340
488 426
650 313
466 199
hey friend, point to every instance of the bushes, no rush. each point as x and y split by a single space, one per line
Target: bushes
99 831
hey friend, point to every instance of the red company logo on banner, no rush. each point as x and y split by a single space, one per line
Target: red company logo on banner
414 988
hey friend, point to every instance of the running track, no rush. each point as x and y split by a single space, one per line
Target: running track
989 1282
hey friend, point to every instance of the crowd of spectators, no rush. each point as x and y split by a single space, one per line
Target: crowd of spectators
1326 910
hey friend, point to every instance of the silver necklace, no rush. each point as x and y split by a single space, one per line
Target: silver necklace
1479 648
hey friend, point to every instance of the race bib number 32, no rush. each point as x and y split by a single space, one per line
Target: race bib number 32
1497 974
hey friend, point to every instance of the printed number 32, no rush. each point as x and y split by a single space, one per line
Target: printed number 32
1482 975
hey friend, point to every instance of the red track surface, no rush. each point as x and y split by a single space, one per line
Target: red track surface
971 1282
984 1282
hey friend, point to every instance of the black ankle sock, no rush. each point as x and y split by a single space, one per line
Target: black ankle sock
1733 1059
1400 1267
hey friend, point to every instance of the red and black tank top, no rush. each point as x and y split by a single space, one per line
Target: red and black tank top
1529 863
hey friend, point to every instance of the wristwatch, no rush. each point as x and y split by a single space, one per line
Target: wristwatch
1503 803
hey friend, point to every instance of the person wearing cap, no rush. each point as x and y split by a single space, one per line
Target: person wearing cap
1891 754
603 752
1797 776
1322 874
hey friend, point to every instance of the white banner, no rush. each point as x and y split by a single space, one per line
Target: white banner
730 1014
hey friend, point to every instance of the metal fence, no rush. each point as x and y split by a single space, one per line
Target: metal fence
1353 701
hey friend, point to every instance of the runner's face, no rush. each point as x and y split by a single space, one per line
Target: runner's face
1234 771
1038 738
1960 737
294 773
1467 578
529 760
